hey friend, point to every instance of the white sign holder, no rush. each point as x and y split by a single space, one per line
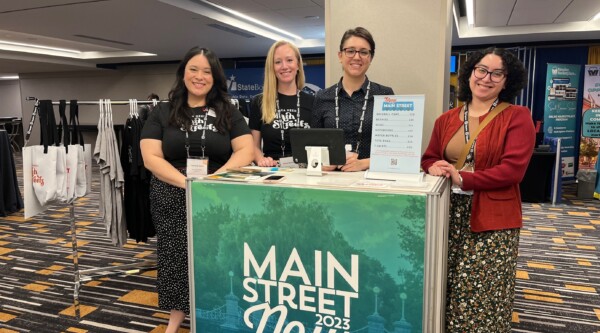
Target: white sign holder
396 139
316 157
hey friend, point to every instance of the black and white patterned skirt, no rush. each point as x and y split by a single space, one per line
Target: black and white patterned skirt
167 204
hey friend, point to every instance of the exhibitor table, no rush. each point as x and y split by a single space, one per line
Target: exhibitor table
317 254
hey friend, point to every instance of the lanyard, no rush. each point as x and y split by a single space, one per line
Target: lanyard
362 116
471 156
281 120
203 138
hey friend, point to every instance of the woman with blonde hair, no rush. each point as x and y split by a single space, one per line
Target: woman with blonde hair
281 106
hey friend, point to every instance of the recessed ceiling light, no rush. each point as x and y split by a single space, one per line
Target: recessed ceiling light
470 13
233 18
35 46
312 17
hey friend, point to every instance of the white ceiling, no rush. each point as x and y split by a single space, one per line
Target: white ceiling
109 31
528 21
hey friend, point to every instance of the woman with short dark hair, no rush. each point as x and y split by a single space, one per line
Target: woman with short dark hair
348 104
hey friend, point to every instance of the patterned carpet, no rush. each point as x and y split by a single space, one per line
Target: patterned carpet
37 274
558 269
557 287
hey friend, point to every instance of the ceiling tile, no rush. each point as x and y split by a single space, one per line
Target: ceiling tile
493 13
579 10
527 12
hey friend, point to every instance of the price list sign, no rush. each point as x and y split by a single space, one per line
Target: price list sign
397 133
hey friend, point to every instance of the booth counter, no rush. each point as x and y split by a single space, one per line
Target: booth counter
317 254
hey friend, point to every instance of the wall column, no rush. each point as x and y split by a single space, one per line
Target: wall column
413 41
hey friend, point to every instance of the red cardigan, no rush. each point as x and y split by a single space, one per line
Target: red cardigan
502 152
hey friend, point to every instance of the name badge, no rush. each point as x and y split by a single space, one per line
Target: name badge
197 167
287 162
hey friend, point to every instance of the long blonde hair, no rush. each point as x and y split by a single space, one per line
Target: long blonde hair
270 83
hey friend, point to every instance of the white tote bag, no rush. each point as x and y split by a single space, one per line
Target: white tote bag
61 174
71 171
81 182
43 171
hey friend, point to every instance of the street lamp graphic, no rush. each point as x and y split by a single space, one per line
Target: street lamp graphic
376 290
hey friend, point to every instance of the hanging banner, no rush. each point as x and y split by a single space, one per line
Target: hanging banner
560 108
243 83
590 124
269 259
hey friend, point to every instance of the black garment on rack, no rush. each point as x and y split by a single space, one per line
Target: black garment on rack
48 127
244 106
137 184
10 196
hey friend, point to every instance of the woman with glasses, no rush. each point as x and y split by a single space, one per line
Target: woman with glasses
485 203
348 104
281 106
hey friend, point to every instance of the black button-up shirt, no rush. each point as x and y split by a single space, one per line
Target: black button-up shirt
350 110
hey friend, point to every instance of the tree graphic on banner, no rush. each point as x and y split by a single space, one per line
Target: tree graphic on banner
219 231
412 249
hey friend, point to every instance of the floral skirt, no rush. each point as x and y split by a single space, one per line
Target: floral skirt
481 274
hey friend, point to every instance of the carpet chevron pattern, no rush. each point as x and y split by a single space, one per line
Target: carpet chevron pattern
558 277
557 283
37 274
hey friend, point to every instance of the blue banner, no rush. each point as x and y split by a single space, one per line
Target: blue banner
560 111
243 83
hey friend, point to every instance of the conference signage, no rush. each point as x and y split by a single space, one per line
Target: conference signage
590 125
560 111
397 133
243 83
271 259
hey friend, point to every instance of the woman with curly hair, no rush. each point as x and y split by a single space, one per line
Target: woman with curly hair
485 203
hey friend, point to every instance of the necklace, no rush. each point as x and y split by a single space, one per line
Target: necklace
281 119
362 116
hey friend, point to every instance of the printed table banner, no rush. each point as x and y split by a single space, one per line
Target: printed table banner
562 89
289 259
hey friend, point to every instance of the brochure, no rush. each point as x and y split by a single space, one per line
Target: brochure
238 176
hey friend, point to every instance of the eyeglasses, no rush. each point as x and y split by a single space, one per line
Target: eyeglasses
350 52
495 76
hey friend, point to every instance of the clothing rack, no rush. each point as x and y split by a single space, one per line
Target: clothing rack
87 275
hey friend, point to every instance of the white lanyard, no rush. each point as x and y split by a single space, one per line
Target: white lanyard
362 116
203 138
281 120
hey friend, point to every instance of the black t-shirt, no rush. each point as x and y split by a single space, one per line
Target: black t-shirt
218 146
286 117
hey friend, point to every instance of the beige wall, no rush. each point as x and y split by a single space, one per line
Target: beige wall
133 82
10 98
413 42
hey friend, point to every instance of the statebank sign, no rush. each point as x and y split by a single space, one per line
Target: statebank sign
300 260
243 83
